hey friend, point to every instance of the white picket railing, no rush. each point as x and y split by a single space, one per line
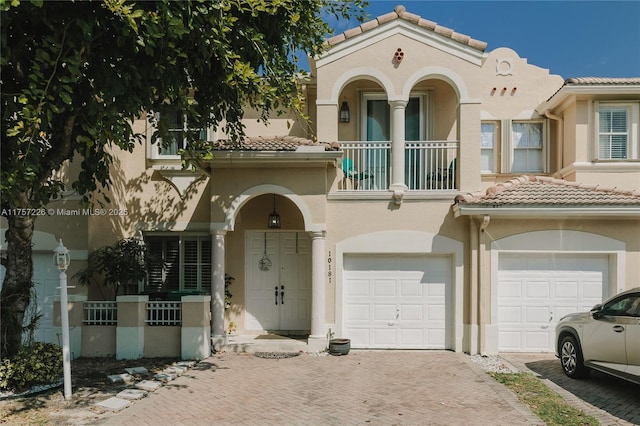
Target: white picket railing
100 313
164 313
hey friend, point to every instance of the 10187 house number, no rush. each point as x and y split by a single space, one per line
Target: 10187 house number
329 271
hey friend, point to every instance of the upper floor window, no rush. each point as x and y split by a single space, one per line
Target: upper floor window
178 130
614 131
527 142
488 142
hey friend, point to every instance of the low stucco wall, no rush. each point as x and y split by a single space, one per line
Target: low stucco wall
98 341
162 341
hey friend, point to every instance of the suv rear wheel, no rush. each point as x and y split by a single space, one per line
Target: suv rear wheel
571 358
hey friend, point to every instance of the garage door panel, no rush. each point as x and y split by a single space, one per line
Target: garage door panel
384 288
437 289
510 315
533 299
412 336
536 341
536 289
384 337
358 312
407 301
411 288
510 288
384 312
436 313
412 312
358 287
537 314
361 336
566 289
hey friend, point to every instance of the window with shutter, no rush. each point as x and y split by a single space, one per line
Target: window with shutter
613 132
186 263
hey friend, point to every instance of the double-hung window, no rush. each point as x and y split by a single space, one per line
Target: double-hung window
527 142
178 130
179 263
613 131
488 147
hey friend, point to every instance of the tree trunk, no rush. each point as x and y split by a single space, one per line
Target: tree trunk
16 288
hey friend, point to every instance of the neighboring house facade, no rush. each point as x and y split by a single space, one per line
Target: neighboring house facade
457 199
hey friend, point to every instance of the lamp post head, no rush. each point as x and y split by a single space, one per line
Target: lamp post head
61 257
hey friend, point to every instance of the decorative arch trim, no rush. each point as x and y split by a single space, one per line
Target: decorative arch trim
558 241
361 73
243 198
439 72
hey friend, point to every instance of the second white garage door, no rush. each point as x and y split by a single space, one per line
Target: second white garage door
399 302
536 290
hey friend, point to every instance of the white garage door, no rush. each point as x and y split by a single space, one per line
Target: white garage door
46 286
536 290
399 302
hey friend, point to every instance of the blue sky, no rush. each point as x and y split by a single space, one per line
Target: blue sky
570 38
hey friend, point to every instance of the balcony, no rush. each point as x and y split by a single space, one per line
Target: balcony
428 165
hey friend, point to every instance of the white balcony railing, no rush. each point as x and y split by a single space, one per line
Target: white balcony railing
366 165
428 165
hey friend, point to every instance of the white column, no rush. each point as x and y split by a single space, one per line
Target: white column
317 339
217 288
397 148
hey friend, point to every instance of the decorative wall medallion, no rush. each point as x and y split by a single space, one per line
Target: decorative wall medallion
504 67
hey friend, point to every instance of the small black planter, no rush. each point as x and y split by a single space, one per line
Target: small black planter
339 346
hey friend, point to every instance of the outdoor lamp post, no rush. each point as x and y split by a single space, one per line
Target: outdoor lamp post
62 259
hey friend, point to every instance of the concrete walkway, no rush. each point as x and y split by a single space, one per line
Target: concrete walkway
364 387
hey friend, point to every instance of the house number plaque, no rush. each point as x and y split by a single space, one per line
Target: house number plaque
329 271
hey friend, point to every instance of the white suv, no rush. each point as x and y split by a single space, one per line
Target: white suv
606 339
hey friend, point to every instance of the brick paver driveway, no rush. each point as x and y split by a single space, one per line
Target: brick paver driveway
610 400
364 387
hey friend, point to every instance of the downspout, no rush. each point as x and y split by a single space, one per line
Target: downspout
559 139
482 316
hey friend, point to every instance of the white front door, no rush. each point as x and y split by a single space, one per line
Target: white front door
535 290
278 281
397 301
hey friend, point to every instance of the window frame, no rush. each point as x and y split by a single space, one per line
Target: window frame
495 149
153 149
632 125
512 148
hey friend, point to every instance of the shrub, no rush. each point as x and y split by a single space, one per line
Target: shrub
36 364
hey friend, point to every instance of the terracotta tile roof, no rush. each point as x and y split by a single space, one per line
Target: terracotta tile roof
400 12
541 191
584 81
275 143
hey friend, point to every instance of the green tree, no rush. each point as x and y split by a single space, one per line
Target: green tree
76 74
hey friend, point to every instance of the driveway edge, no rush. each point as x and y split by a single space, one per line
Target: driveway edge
503 392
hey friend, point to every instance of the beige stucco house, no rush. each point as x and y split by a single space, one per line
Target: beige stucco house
442 197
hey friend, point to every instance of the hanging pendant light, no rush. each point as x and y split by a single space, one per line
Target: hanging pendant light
274 217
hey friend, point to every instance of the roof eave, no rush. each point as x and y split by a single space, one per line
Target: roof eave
520 212
589 89
280 157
